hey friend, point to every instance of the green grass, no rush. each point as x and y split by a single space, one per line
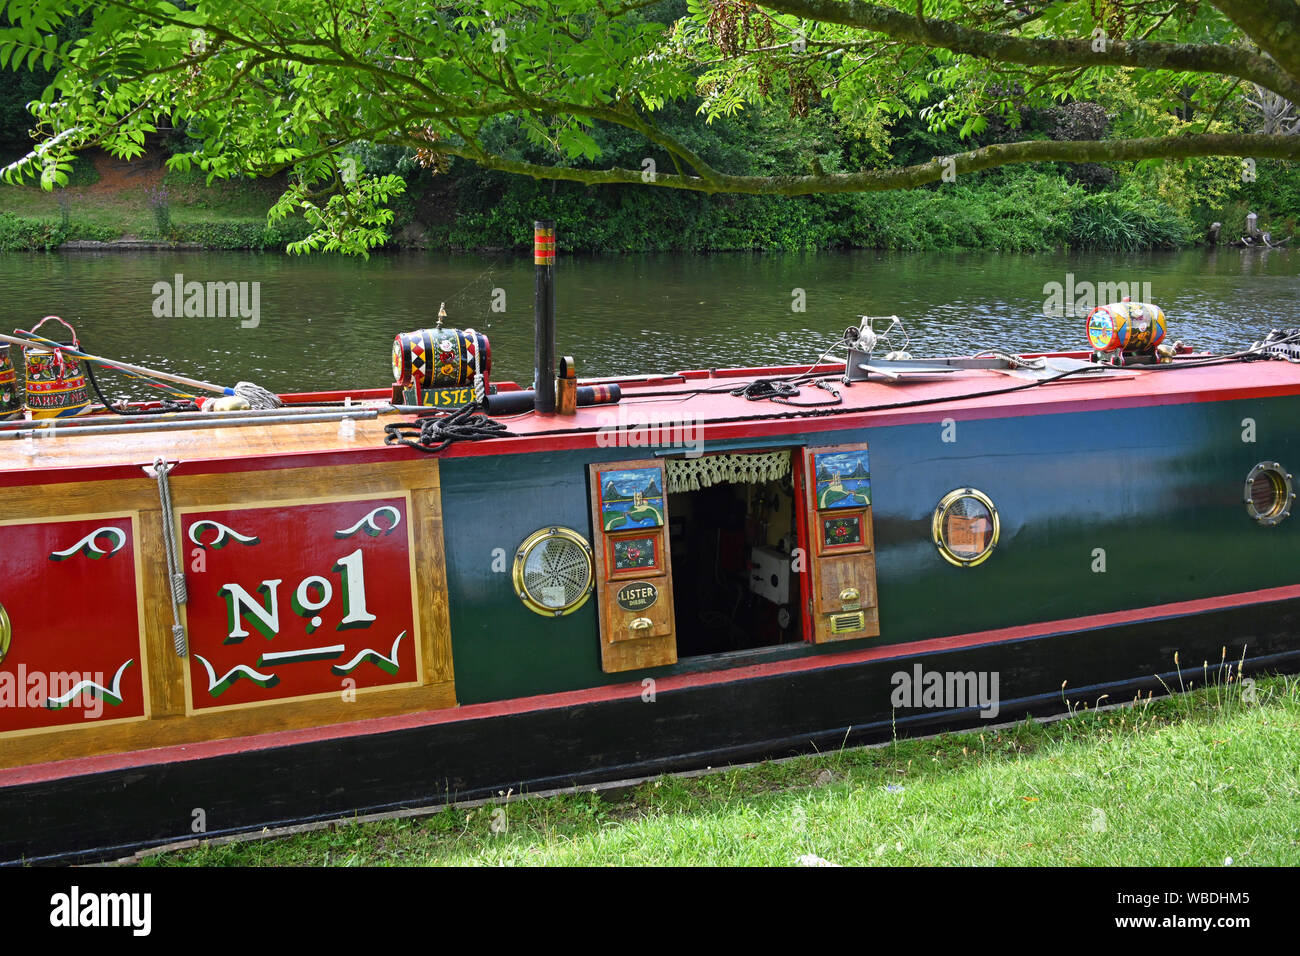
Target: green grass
1189 780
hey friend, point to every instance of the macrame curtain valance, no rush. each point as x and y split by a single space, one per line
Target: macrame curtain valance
692 474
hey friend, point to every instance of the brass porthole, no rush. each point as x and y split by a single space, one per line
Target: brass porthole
6 632
966 527
1268 494
554 572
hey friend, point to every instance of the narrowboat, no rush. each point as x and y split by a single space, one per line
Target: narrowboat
451 587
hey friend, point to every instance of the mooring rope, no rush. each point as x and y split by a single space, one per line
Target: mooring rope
175 572
433 433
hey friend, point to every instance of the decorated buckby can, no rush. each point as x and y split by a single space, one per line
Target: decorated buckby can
1134 327
56 383
431 361
9 402
56 386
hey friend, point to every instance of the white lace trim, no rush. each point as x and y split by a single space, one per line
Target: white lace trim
692 474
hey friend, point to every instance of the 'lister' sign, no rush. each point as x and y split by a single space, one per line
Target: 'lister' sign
299 600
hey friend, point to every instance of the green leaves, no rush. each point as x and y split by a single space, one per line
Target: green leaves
292 92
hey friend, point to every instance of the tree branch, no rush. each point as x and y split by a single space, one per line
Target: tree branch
907 177
1051 51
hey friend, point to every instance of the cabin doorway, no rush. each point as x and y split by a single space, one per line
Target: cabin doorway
733 543
730 553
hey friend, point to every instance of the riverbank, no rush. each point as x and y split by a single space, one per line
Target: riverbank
1202 779
110 204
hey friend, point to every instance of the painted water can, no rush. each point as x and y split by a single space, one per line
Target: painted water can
437 366
1134 327
56 383
10 406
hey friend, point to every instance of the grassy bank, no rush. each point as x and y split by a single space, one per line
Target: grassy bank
111 201
1196 779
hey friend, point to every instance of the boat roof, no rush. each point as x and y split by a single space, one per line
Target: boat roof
701 399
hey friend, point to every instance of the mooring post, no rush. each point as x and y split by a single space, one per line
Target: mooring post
544 316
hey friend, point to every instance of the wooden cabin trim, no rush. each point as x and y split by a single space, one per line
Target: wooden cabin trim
217 725
166 686
432 605
168 715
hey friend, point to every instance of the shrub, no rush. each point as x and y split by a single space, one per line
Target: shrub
20 234
1125 221
242 234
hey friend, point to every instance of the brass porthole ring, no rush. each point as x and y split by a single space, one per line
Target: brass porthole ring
966 527
6 632
554 571
1268 494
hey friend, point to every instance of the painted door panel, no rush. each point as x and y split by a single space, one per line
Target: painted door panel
634 582
844 603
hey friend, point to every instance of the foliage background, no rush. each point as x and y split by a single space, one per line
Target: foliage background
1122 206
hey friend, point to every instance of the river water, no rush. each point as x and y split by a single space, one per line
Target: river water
329 322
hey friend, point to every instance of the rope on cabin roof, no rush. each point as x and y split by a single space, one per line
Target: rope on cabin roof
433 433
781 392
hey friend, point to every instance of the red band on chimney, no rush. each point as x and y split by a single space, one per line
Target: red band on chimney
544 247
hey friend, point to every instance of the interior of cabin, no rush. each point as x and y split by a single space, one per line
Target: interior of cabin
731 547
751 550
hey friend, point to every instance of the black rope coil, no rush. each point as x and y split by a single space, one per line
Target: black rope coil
432 433
776 390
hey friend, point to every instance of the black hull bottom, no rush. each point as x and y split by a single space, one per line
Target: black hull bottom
107 815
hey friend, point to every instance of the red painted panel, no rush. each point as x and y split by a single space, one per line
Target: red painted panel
298 600
68 589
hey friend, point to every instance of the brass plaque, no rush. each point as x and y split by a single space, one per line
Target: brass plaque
637 596
6 631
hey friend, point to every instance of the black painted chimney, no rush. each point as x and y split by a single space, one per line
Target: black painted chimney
544 316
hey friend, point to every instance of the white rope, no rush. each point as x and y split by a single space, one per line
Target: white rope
479 396
692 474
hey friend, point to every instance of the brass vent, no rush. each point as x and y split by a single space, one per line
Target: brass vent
844 623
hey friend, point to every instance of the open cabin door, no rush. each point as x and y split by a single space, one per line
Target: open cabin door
842 553
634 580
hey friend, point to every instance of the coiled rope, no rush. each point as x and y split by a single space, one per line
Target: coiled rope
433 433
779 391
